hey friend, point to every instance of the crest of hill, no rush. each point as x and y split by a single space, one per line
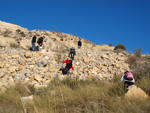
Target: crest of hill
55 41
12 27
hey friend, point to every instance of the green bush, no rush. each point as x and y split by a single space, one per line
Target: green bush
120 46
18 30
22 34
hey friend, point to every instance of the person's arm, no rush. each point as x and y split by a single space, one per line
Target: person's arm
62 65
72 68
122 78
133 80
64 61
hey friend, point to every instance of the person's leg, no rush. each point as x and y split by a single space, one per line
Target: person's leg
79 47
39 48
125 85
32 46
71 55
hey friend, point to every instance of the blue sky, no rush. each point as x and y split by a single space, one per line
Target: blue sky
99 21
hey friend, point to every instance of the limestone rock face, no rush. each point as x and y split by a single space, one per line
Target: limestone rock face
19 63
135 92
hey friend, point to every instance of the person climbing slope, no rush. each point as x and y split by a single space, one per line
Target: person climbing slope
33 43
40 42
72 53
68 66
79 44
128 79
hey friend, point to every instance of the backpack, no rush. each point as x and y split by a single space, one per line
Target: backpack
129 75
72 50
39 40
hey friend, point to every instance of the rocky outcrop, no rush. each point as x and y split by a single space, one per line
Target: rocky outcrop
18 63
39 68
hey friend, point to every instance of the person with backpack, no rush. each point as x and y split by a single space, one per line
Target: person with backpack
68 66
79 44
72 53
40 42
33 43
128 79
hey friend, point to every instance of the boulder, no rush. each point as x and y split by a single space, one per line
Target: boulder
28 55
135 92
1 65
26 100
15 56
86 60
104 69
41 62
12 69
38 78
54 62
21 68
52 69
20 77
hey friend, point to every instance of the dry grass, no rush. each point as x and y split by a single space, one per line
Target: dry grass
69 96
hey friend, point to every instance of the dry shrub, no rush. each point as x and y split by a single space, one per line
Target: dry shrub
14 45
144 84
131 60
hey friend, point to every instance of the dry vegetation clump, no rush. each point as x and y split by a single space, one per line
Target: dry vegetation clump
6 33
120 47
131 60
14 45
140 66
69 96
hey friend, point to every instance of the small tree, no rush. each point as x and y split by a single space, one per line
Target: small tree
120 46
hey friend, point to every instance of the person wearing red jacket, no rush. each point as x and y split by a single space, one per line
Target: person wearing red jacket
68 66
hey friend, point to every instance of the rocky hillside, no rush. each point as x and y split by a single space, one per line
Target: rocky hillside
18 63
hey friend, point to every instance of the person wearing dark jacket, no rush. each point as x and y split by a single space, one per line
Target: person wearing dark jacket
33 42
68 66
79 44
40 42
72 53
